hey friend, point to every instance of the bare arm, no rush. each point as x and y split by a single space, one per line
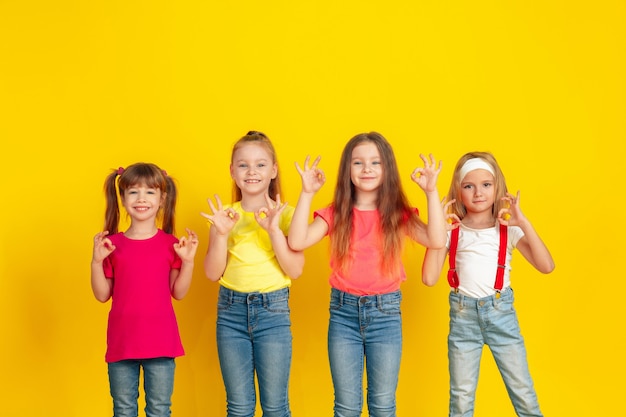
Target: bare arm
432 234
290 261
303 235
180 279
222 222
432 265
101 286
530 246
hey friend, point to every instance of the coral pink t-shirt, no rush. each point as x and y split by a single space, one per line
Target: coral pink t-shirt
364 274
142 322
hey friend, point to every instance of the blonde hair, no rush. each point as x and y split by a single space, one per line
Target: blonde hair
455 187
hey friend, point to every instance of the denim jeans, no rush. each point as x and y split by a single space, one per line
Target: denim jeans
493 322
254 335
366 331
158 375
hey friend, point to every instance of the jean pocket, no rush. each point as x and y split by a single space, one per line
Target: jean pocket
278 307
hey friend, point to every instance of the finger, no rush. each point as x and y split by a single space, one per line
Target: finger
306 162
300 171
269 201
219 202
212 206
278 199
317 161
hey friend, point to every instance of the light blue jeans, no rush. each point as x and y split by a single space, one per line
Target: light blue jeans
158 375
493 322
365 332
254 335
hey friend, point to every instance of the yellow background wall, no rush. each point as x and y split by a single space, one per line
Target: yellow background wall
87 86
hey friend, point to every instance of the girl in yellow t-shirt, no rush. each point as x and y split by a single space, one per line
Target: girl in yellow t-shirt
248 254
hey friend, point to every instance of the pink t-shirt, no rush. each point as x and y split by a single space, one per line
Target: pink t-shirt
142 322
364 275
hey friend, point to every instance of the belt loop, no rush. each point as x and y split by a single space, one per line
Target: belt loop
341 298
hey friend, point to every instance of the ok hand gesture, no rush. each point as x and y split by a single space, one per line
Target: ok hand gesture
268 217
312 177
222 219
426 177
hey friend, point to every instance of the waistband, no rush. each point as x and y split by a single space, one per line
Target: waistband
254 297
376 299
505 294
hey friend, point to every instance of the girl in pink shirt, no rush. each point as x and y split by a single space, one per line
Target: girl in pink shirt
366 223
141 269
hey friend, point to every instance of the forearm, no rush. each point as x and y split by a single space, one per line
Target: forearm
432 266
182 281
290 261
436 228
100 285
539 255
216 257
300 222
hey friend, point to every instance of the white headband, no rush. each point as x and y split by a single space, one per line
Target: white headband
473 164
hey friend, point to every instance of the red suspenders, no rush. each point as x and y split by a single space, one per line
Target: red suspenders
453 278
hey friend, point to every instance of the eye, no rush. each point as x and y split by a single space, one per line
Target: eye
242 166
376 163
356 163
261 165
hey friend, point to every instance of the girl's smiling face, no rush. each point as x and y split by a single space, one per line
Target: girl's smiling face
253 168
366 169
142 202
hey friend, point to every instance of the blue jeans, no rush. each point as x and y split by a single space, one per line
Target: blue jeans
158 375
493 322
366 331
254 335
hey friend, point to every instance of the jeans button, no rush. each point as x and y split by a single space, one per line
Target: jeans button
481 303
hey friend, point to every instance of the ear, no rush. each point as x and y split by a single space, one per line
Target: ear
275 171
231 171
163 198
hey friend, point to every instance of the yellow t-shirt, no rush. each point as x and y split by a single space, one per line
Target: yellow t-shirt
252 265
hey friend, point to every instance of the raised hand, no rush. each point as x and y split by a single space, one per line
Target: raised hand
313 178
512 215
222 219
426 177
102 246
452 220
268 217
187 246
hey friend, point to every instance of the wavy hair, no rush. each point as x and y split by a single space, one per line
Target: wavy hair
395 212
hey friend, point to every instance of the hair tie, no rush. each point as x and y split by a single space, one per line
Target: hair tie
164 172
120 171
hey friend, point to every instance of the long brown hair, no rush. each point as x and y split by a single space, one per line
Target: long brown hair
147 174
254 136
392 204
455 187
